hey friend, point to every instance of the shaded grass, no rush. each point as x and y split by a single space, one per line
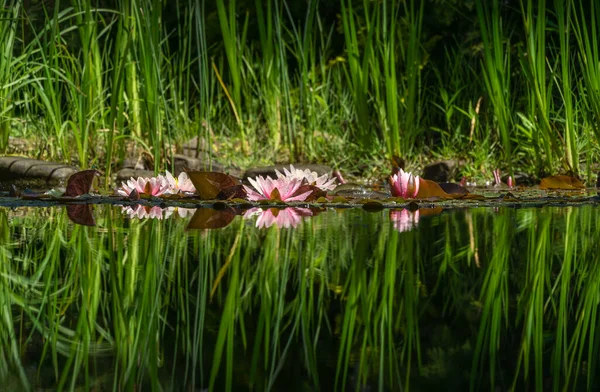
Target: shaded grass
95 85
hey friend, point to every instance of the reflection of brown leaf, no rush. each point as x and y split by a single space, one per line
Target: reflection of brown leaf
80 183
430 211
372 206
561 182
209 218
81 214
429 189
209 184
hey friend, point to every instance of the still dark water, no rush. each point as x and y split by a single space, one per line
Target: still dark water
299 300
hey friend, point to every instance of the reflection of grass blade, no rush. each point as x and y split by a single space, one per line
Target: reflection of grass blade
226 329
531 303
494 298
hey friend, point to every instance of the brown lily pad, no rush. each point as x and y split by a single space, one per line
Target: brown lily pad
561 182
80 183
429 189
210 184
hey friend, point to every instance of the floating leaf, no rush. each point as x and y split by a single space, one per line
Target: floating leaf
453 188
134 195
509 197
81 214
322 200
428 189
232 192
210 184
339 200
561 182
275 195
245 202
80 183
473 196
209 218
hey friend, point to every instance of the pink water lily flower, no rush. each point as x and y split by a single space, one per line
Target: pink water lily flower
286 218
322 182
404 185
284 189
154 186
404 220
181 184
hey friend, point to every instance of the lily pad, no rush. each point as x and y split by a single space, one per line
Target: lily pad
210 184
561 182
429 189
80 183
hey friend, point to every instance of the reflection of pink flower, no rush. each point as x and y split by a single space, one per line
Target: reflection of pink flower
142 212
284 218
146 212
180 184
154 186
181 212
404 220
322 182
264 188
404 185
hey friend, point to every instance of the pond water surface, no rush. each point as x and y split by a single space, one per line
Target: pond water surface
299 300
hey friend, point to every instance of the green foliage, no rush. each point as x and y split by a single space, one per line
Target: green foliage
477 298
335 82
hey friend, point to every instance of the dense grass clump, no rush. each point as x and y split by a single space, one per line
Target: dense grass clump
352 83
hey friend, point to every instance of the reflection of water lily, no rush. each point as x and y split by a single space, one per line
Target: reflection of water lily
154 186
284 218
142 212
181 212
322 182
284 189
404 185
180 184
147 212
404 220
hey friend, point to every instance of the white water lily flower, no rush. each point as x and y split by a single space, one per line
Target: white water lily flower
322 182
179 211
180 184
